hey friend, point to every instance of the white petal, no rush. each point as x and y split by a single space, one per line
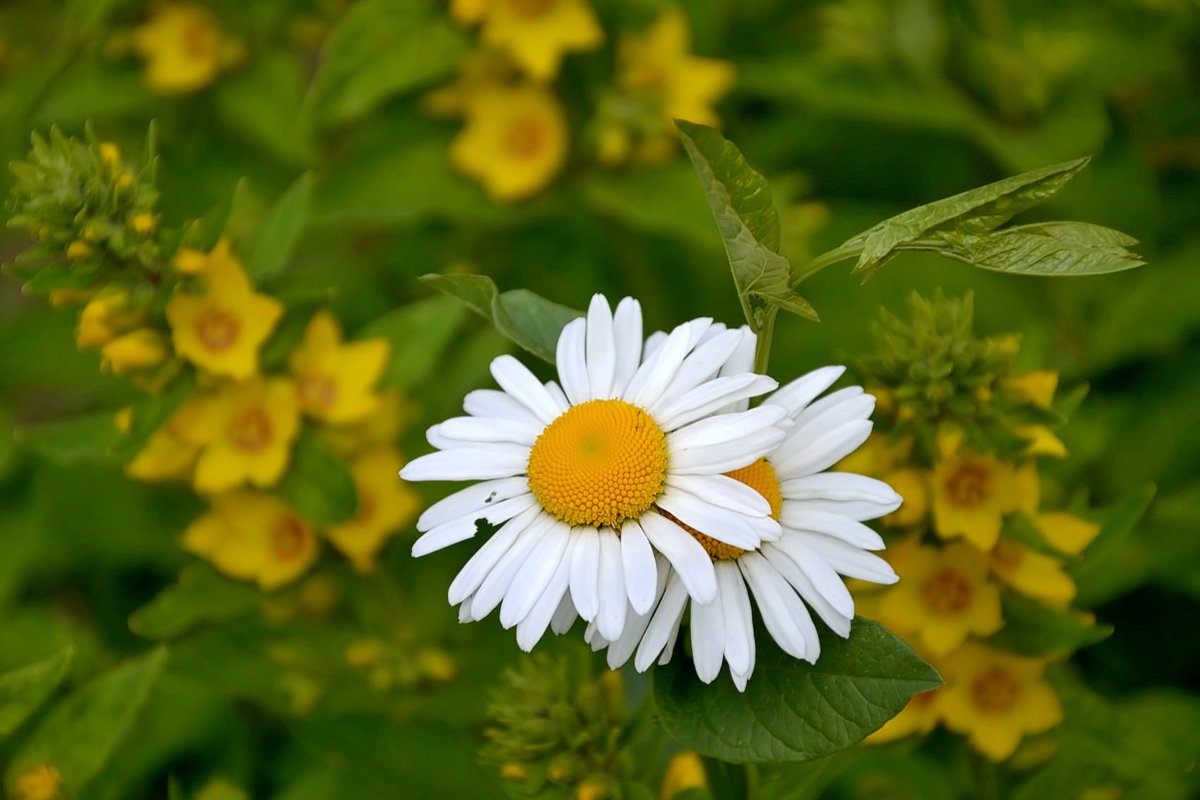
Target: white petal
564 616
825 451
723 491
663 624
796 516
719 523
486 557
653 342
833 411
770 594
491 429
534 576
709 397
585 558
516 379
725 428
823 576
462 528
637 562
627 337
786 568
687 556
636 623
610 612
655 374
855 496
531 629
669 647
496 585
727 456
493 403
701 365
572 364
601 348
739 625
557 394
708 639
475 499
468 463
800 392
849 560
742 359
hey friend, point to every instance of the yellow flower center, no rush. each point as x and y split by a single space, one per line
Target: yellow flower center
995 691
318 392
287 538
199 39
530 9
969 485
217 329
250 430
367 505
526 138
759 476
599 464
946 593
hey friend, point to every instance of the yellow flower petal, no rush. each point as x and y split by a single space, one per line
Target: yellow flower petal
1033 387
1066 532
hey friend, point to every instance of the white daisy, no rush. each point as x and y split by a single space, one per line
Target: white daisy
823 539
589 481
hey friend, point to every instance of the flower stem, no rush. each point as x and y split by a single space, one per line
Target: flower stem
762 347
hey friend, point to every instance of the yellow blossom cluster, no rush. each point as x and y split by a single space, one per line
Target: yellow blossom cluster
184 48
515 137
956 557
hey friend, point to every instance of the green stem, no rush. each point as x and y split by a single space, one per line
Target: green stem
762 347
822 261
987 777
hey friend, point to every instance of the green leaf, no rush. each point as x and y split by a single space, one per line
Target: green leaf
1046 248
85 439
1104 553
662 200
533 322
418 334
280 231
204 233
265 103
792 710
741 204
63 275
381 48
23 690
972 212
200 596
1034 629
82 733
317 484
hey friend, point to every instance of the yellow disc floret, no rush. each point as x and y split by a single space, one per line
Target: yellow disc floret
600 463
759 476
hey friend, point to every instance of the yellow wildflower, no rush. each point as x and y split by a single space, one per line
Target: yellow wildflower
245 432
1042 441
995 698
384 506
43 782
684 771
190 261
142 222
78 250
1066 532
514 142
659 67
169 453
103 317
920 716
139 349
535 33
943 595
912 485
591 789
1032 573
973 491
184 48
477 72
877 456
381 427
253 536
336 380
1037 388
222 329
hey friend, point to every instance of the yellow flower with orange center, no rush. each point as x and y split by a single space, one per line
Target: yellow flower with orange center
659 68
996 698
973 491
920 716
535 33
943 595
42 782
514 141
170 452
184 48
254 537
336 381
222 329
245 432
384 506
1032 573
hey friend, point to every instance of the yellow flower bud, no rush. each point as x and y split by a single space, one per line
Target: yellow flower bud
437 665
78 250
685 771
137 350
125 181
42 782
364 653
110 156
142 222
513 772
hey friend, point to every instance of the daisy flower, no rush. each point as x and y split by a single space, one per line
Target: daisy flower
823 539
588 479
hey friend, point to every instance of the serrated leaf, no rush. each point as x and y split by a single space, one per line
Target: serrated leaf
792 710
23 690
82 733
1034 629
740 201
200 596
418 334
280 231
84 439
528 319
318 485
974 211
1047 248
